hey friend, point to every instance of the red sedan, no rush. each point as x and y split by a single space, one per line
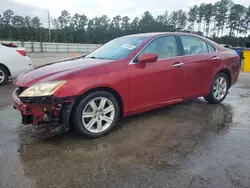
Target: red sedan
127 75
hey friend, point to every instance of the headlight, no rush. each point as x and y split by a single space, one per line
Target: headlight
42 89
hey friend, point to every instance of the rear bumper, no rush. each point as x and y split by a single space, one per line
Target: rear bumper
52 118
235 78
17 72
25 65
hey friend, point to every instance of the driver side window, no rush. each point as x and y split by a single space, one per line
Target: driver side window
164 47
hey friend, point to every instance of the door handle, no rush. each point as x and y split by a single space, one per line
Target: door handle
215 57
178 64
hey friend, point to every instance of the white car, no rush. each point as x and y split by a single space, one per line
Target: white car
13 62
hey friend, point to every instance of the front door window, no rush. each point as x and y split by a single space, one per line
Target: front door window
164 47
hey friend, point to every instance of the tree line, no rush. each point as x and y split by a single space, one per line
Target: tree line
223 21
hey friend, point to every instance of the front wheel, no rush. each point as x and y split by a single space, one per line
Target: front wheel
97 114
219 89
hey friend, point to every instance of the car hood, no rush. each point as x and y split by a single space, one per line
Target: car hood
57 70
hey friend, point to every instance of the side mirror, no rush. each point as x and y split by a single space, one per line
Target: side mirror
146 58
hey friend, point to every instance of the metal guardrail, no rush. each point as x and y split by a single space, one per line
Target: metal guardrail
55 47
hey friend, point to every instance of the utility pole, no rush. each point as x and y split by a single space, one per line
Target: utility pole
49 26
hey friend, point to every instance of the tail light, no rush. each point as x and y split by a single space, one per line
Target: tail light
22 52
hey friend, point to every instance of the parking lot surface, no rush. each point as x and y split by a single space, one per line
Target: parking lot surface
192 144
43 58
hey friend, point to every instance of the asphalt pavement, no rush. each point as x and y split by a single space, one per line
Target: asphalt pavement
44 58
192 144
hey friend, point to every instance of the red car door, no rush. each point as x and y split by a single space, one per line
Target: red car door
201 61
159 81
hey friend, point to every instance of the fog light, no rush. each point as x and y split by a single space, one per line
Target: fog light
46 117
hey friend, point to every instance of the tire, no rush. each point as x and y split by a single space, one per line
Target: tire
213 97
94 118
4 75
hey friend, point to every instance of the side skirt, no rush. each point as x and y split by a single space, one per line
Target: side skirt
148 108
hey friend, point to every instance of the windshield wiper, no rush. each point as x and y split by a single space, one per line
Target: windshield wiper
92 57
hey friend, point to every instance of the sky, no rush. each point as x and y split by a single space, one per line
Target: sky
92 8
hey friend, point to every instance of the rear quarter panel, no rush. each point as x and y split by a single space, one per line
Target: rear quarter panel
230 62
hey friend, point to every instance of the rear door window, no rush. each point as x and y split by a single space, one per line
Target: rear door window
211 48
193 45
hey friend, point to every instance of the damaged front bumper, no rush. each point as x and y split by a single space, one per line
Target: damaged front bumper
49 115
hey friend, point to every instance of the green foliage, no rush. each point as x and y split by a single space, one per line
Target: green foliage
208 14
178 20
207 19
192 16
221 14
236 19
201 14
147 23
7 17
233 41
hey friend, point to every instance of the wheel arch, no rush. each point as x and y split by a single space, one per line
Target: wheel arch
6 69
227 73
102 88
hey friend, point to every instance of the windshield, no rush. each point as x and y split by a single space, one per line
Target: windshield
118 48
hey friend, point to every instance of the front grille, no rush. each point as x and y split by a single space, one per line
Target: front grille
20 90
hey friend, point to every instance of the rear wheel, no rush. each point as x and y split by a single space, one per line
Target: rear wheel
219 89
97 114
4 76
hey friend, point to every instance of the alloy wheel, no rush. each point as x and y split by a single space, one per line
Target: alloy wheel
220 88
98 115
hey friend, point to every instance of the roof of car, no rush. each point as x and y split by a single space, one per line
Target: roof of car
155 34
161 33
148 34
